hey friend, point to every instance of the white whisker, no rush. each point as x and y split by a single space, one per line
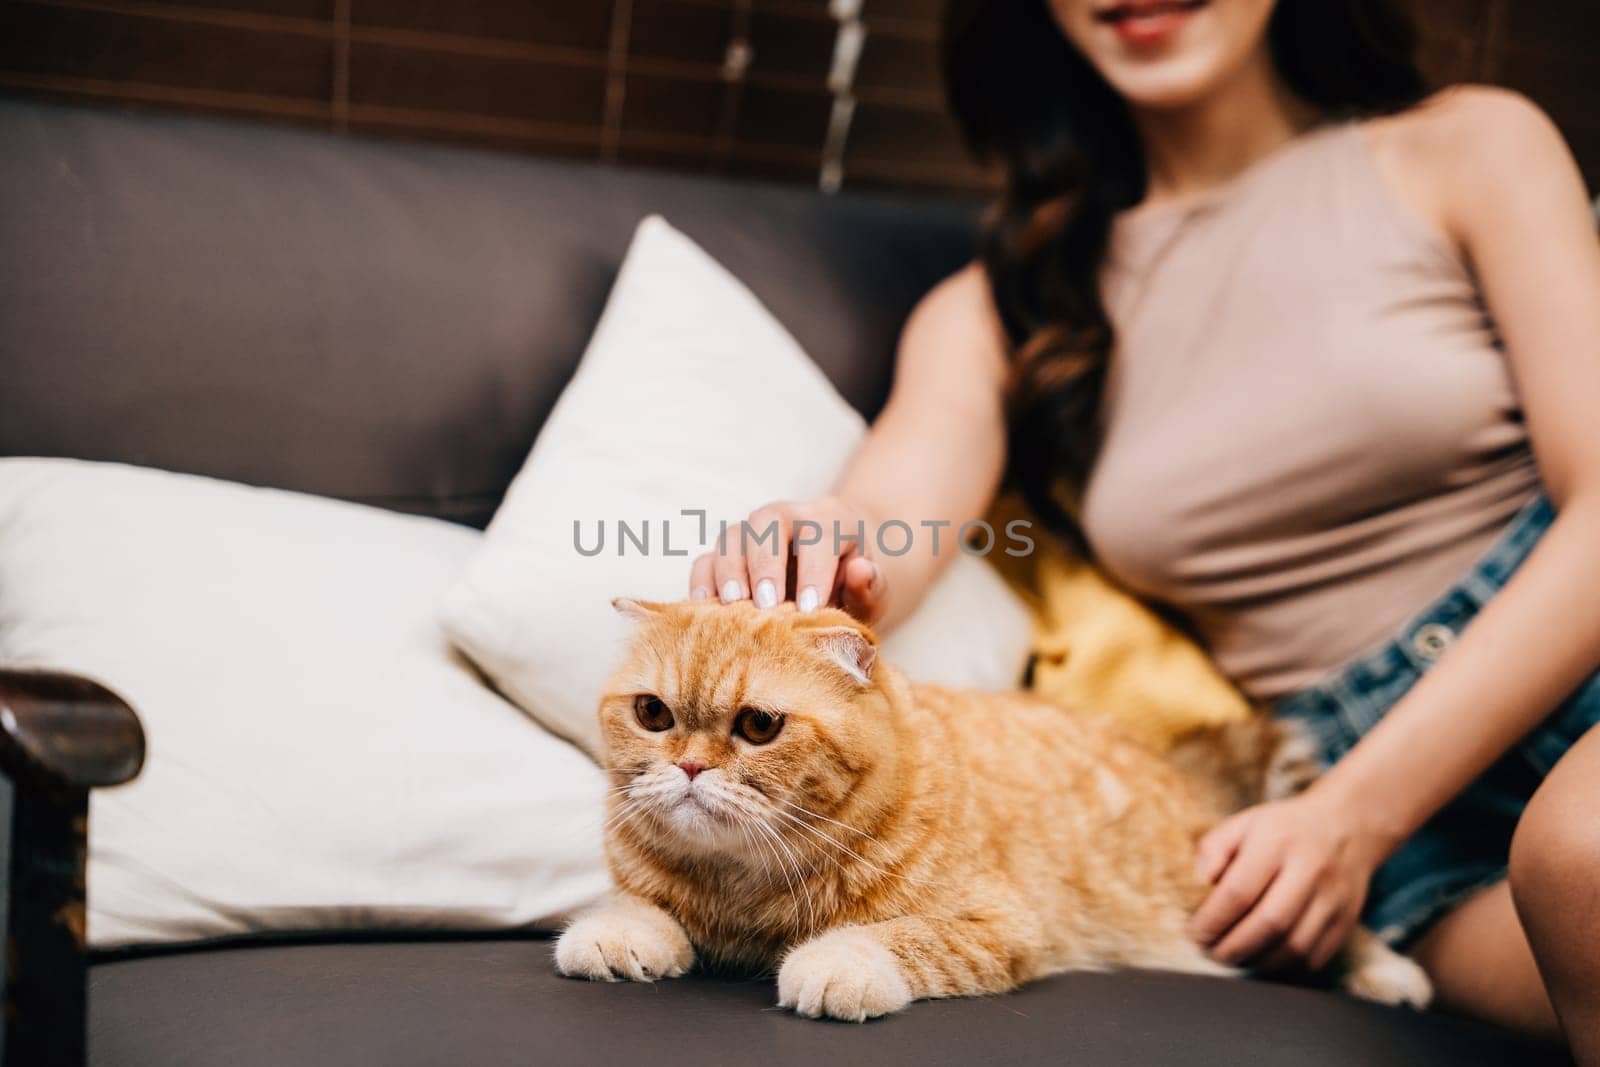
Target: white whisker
755 852
849 851
808 920
631 813
824 818
811 904
783 868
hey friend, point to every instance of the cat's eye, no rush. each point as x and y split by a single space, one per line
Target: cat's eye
757 726
652 712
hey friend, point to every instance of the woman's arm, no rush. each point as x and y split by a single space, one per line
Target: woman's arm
935 454
1291 877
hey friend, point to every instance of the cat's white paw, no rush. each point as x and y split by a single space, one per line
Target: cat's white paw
624 942
845 974
1382 974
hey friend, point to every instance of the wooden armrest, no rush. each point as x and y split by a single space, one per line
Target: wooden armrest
60 736
60 731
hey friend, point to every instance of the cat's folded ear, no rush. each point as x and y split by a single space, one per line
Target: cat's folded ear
637 610
853 650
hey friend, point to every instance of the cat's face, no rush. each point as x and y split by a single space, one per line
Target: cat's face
727 722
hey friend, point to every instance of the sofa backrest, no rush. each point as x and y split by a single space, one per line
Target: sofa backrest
376 321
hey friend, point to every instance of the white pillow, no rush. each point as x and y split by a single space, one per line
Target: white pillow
690 396
318 757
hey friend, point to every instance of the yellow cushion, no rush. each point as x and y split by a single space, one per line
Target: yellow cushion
1099 647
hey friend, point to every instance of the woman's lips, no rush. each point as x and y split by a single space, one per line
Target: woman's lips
1143 23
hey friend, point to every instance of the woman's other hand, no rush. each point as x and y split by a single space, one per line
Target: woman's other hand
1288 881
823 538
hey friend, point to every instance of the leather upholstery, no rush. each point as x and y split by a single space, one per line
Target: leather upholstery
475 1003
373 321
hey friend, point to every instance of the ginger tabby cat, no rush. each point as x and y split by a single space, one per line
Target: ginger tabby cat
784 800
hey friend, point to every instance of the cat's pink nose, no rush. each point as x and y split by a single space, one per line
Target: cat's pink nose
691 767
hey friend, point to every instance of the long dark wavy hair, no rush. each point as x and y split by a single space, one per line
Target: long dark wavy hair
1028 100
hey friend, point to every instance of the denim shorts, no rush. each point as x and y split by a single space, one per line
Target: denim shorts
1464 847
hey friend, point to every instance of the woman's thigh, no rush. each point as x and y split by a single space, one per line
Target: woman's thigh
1482 965
1480 954
1555 882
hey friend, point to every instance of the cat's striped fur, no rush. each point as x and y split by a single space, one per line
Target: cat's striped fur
894 842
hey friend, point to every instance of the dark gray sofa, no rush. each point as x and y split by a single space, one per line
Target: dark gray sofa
390 324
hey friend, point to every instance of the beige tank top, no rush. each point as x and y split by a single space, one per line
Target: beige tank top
1310 428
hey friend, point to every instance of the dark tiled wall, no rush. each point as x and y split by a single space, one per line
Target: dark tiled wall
641 81
1545 48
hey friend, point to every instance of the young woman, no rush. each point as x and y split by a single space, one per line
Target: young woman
1316 359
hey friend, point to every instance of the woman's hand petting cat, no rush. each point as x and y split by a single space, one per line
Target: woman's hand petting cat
824 538
1288 881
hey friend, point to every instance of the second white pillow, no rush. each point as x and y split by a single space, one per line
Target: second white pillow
691 397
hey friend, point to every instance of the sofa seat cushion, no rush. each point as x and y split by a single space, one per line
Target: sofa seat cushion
468 1003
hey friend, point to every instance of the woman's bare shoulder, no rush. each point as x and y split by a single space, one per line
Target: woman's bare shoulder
1465 123
1459 149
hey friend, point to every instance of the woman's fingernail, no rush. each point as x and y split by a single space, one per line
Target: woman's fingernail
808 599
766 593
699 592
732 590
